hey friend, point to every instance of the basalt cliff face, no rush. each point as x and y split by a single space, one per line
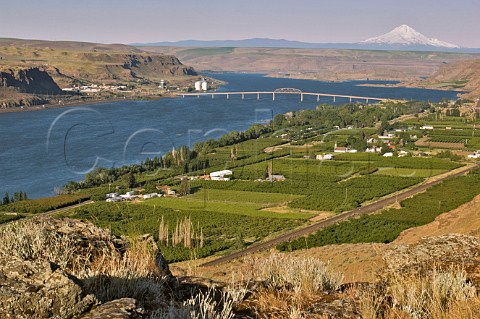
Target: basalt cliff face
29 80
130 67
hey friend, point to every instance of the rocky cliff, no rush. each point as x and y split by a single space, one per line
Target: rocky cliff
463 75
135 66
43 67
72 269
29 80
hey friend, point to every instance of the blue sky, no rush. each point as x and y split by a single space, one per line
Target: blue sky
120 21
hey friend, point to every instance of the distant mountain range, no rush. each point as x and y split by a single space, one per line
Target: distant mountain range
401 38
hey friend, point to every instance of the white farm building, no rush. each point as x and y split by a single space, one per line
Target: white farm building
221 175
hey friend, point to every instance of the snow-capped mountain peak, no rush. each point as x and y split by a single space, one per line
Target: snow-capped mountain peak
405 35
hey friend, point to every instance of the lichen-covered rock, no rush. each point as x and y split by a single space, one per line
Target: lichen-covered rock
344 308
85 233
39 289
68 268
125 308
443 252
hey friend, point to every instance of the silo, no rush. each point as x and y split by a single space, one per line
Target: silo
204 85
198 86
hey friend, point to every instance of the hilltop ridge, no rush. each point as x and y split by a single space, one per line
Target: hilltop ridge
39 67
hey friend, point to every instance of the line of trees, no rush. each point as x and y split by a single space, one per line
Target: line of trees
185 159
17 197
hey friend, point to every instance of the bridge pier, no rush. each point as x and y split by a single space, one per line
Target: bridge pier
301 97
318 98
258 96
273 96
366 100
228 97
350 100
334 99
243 96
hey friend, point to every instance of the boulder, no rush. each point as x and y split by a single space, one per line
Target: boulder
39 289
124 308
452 251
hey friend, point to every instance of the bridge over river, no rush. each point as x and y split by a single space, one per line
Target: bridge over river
289 91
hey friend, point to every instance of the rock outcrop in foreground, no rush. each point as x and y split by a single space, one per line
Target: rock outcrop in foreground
72 269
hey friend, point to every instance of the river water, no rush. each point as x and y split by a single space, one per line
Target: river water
45 149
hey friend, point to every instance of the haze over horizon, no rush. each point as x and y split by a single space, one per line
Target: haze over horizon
343 21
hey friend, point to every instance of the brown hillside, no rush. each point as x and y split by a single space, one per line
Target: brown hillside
321 64
66 45
81 62
463 75
462 220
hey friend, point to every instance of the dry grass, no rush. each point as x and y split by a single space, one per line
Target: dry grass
289 285
131 274
30 241
441 295
213 303
105 272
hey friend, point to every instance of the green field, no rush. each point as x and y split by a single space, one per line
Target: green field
218 195
386 226
409 172
240 206
42 205
221 230
326 186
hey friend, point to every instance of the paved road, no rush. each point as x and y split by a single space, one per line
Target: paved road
369 208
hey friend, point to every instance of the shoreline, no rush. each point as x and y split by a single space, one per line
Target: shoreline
93 101
80 103
400 83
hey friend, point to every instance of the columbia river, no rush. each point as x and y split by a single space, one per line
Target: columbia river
45 149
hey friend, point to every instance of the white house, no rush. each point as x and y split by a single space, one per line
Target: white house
276 178
373 149
221 175
340 149
426 127
386 137
129 195
151 195
113 197
324 157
